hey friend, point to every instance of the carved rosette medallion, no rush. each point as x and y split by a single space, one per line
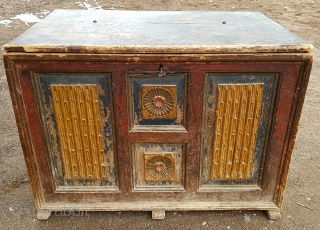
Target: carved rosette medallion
159 168
158 102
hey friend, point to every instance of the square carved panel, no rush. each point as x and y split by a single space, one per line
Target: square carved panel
158 167
157 102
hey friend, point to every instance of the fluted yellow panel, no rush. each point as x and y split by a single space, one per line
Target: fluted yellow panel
236 125
78 121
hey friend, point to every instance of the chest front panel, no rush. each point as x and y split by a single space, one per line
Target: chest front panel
201 132
113 115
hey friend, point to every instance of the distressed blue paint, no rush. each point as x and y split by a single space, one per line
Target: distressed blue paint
46 80
172 80
268 80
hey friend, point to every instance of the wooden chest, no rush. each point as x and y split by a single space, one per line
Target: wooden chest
157 111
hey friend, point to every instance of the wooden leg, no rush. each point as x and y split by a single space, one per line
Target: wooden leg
273 214
43 214
158 214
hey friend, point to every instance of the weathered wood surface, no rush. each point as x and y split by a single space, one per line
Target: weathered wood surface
292 71
177 141
79 31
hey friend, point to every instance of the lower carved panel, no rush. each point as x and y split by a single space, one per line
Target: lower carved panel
158 167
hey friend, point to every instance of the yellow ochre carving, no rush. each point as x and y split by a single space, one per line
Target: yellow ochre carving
159 167
158 102
236 125
78 121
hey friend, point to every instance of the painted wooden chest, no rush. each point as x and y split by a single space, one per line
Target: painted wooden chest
157 111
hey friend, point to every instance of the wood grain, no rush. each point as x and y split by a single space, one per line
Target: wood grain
185 32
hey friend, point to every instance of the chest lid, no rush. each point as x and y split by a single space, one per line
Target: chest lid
79 31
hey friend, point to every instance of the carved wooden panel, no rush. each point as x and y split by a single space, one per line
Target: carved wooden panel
78 121
158 167
159 170
78 114
157 102
236 125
